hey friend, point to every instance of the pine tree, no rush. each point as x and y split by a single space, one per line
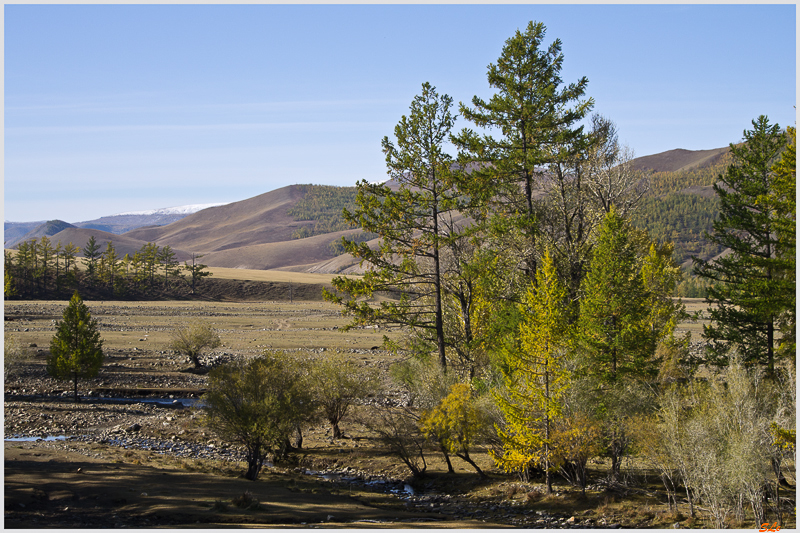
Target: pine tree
747 296
9 285
109 265
538 118
409 222
197 271
167 259
782 199
76 350
70 265
91 254
536 377
46 254
614 312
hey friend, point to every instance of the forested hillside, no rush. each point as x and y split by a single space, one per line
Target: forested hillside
681 207
322 204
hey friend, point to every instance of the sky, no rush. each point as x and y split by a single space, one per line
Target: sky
117 108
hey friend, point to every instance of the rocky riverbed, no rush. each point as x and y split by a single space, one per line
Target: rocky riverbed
133 414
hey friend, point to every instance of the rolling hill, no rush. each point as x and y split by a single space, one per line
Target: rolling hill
261 232
16 232
680 159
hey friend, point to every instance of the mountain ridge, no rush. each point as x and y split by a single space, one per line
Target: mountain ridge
259 232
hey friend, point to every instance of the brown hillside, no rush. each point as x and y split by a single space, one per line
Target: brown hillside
258 220
274 255
122 244
680 159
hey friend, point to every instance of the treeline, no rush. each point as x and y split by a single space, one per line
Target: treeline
322 204
337 247
42 269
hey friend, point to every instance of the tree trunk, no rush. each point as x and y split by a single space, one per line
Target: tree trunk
450 469
437 282
254 460
467 458
75 384
337 433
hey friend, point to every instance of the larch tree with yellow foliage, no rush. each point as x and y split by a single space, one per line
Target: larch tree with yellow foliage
455 423
536 377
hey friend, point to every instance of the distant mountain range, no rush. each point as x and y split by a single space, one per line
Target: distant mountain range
16 232
261 232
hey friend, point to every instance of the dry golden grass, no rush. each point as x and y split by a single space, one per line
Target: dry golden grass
270 275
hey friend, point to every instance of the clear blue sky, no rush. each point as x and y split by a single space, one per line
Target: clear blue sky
130 107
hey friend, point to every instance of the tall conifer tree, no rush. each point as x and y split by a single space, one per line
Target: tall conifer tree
408 218
745 300
536 376
614 315
538 117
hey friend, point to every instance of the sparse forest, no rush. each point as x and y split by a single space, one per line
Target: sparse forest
525 288
322 204
555 310
42 269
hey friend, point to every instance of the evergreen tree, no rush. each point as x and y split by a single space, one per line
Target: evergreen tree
149 257
46 251
538 118
9 285
782 199
57 256
409 222
614 312
748 294
91 254
109 266
70 265
167 259
197 271
76 350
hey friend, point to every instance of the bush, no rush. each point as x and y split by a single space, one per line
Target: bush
336 383
258 404
13 355
191 340
715 437
246 500
456 423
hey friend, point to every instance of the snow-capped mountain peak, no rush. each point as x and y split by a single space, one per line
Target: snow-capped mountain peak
178 210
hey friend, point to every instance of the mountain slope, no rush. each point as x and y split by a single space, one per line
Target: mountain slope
122 244
49 228
13 232
259 232
258 220
295 254
680 159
